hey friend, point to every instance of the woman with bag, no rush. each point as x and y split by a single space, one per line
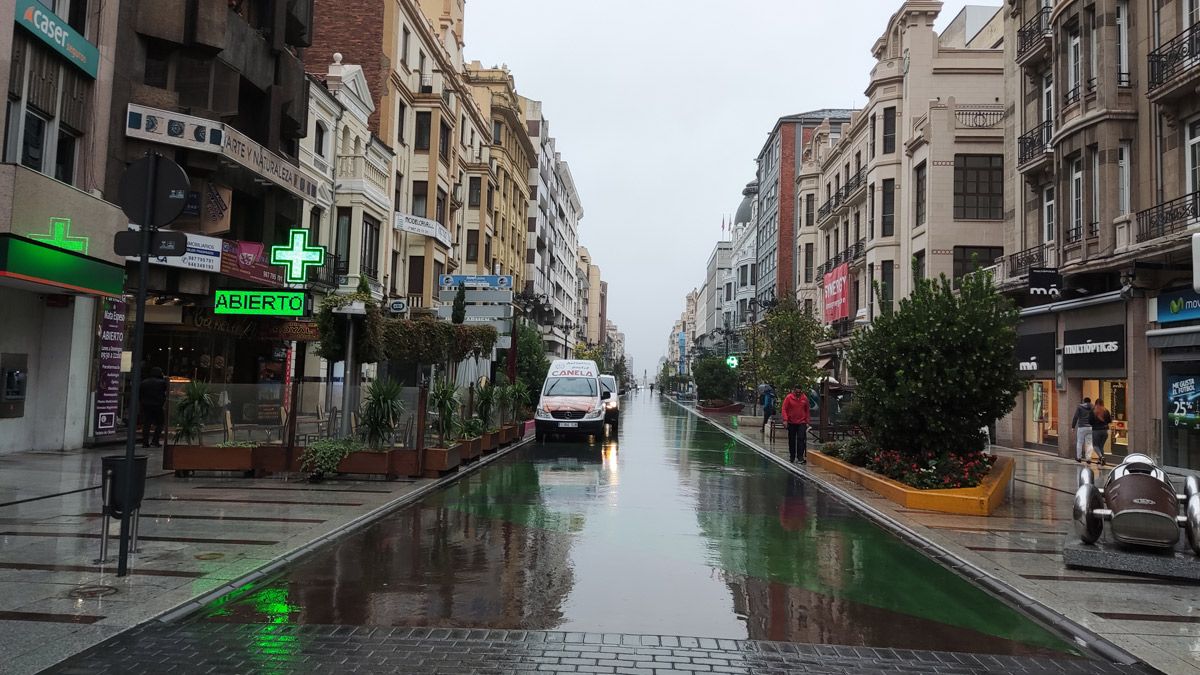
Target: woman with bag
1100 419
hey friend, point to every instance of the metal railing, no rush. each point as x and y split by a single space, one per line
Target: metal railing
1032 31
326 275
1093 229
1020 262
825 209
1034 142
1074 233
853 183
1124 80
1175 56
976 118
1072 95
1169 217
859 250
368 270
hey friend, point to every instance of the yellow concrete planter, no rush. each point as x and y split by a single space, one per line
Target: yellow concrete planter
977 501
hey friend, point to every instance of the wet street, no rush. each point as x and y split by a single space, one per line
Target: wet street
563 548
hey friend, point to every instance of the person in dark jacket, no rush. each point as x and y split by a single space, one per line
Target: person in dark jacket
1100 420
152 399
768 406
1081 422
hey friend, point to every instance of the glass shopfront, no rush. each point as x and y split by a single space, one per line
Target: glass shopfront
1035 360
1113 393
1041 413
1181 414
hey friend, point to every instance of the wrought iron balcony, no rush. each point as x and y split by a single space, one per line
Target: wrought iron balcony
1169 217
1035 143
1093 229
978 118
1074 233
1020 262
825 210
326 276
1072 95
853 184
859 251
1031 37
1174 62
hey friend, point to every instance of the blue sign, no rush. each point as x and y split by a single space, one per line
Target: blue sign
1178 306
500 282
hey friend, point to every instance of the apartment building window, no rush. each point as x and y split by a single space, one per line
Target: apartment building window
420 198
1074 64
487 250
394 277
919 263
401 119
870 290
472 246
1093 50
424 122
1048 229
871 138
497 132
1124 177
871 211
810 207
753 271
1193 155
416 275
742 311
888 212
421 66
808 263
444 141
1048 97
1076 229
319 139
315 214
1123 79
1094 224
979 187
345 216
919 180
405 41
157 72
370 247
828 248
475 187
440 206
857 222
47 109
857 162
728 293
968 259
889 130
887 279
808 306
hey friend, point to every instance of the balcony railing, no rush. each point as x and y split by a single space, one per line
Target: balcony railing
1035 142
1072 95
1093 229
1020 262
1180 54
978 118
369 270
825 210
1124 80
1074 233
1031 33
1169 217
326 276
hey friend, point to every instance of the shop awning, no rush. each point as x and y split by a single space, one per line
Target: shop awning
41 267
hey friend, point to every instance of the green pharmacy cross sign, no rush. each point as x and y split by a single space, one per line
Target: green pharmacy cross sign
732 362
297 256
60 237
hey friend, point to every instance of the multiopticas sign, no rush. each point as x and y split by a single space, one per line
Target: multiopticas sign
54 31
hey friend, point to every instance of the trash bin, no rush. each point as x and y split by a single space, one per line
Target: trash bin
113 483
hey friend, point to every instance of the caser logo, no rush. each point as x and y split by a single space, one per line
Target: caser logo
47 26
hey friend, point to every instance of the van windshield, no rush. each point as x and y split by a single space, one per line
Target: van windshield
570 386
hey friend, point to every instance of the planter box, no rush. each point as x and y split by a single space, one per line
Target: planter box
490 441
378 463
208 458
472 448
438 460
509 434
980 500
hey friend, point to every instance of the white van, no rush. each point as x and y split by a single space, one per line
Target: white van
572 400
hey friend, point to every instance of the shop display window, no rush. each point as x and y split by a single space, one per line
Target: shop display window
1113 393
1181 416
1041 413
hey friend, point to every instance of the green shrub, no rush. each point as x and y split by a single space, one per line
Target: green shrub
322 457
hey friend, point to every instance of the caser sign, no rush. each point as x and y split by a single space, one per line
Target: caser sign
54 31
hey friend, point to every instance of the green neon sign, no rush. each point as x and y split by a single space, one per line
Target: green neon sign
297 256
732 362
259 303
60 237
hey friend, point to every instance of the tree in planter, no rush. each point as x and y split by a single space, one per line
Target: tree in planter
532 365
458 313
485 405
715 380
382 413
934 372
521 398
790 351
192 411
443 398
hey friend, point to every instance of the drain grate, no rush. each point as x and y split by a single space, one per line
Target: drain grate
91 592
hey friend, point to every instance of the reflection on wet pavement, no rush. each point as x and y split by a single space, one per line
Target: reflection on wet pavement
674 529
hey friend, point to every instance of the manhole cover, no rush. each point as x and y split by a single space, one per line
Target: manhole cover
209 556
90 592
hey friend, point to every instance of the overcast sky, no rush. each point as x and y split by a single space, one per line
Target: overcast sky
661 106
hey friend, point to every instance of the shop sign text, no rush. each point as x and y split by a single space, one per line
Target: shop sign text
55 32
259 303
1182 408
1178 306
1094 348
837 293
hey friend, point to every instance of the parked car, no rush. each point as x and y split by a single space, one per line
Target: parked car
612 405
1140 504
572 400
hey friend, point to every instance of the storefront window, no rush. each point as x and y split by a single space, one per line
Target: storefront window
1113 393
1181 417
1041 413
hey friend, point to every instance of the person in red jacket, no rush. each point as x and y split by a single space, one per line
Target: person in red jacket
795 416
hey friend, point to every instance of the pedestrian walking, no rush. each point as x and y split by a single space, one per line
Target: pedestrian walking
153 397
768 406
796 417
1100 420
1081 422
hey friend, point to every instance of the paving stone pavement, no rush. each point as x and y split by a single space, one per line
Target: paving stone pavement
227 648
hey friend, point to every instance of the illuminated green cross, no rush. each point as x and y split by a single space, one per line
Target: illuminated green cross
60 237
297 256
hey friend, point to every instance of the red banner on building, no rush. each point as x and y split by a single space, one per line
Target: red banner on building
248 260
837 293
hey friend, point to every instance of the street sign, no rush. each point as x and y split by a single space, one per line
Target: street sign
478 297
503 282
254 302
478 312
169 184
732 362
297 256
398 306
163 243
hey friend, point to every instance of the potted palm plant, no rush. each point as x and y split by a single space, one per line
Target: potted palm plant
186 452
485 407
522 397
382 414
471 432
504 403
443 400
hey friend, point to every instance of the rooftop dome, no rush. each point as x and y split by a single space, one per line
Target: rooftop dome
746 209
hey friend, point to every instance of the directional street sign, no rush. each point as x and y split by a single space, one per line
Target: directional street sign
502 282
478 297
297 256
479 312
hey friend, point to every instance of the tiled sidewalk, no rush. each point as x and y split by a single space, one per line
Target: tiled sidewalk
1021 544
197 535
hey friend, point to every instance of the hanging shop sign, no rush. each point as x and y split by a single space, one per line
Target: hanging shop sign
197 133
108 385
253 302
1183 408
1035 353
247 260
53 30
837 293
1178 306
424 227
203 254
1045 282
1101 348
